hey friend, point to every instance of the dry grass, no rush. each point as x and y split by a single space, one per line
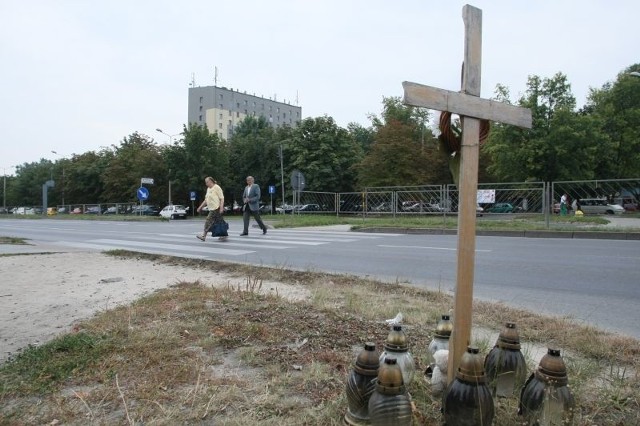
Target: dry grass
194 354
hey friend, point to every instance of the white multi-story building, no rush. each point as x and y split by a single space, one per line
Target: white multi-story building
221 109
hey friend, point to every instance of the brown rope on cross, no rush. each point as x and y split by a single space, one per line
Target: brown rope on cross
452 139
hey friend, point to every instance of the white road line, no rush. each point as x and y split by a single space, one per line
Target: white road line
428 248
100 247
198 246
359 235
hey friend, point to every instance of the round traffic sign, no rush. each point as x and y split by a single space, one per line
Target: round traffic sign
143 193
297 180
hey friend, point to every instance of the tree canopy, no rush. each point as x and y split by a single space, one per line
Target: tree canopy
601 140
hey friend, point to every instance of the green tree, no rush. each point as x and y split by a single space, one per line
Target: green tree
25 189
190 160
560 145
405 151
84 182
325 153
136 157
617 107
252 152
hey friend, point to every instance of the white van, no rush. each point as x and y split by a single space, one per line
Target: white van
599 206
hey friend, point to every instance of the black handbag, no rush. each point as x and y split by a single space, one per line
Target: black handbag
220 229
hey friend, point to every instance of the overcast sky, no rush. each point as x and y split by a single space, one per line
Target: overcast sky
77 76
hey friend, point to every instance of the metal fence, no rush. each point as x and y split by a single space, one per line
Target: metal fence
502 198
624 192
493 198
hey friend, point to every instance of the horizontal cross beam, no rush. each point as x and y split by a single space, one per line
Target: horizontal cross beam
466 105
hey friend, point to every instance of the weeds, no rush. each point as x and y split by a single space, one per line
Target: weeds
235 356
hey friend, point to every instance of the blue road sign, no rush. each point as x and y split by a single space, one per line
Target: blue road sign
192 194
272 189
143 193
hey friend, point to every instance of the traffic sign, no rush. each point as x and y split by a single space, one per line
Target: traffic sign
192 195
143 193
148 181
297 180
272 189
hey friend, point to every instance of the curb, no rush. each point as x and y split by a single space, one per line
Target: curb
595 235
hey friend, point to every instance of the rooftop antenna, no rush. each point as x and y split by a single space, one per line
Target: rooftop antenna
193 80
215 76
296 97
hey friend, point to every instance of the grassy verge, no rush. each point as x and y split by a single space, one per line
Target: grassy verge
520 222
12 240
216 354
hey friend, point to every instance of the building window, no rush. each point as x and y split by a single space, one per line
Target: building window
200 99
278 109
238 105
270 107
237 113
220 105
220 116
200 118
220 95
245 103
263 107
200 108
254 104
284 115
219 125
245 112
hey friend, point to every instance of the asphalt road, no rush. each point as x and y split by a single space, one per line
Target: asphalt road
592 281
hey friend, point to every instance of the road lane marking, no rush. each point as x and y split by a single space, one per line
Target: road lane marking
196 247
428 248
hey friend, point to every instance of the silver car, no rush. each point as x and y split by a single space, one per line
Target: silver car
599 206
174 211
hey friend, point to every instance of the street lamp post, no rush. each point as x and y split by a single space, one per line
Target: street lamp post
170 143
54 152
4 190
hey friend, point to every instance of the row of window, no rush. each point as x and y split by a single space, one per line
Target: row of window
221 106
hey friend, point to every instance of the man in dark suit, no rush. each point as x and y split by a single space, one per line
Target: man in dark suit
251 207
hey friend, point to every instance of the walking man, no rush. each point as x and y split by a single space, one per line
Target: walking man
251 207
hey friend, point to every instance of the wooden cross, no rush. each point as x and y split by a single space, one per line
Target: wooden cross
468 104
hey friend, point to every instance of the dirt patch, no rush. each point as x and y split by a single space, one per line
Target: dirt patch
42 296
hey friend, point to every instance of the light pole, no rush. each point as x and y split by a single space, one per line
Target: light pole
4 189
170 143
62 159
167 134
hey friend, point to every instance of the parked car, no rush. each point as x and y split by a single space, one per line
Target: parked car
52 211
23 210
382 207
502 208
309 208
421 207
3 210
92 210
146 210
115 210
77 210
350 206
285 208
265 208
174 211
599 206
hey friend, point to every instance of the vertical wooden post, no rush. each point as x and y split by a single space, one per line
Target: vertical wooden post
463 307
